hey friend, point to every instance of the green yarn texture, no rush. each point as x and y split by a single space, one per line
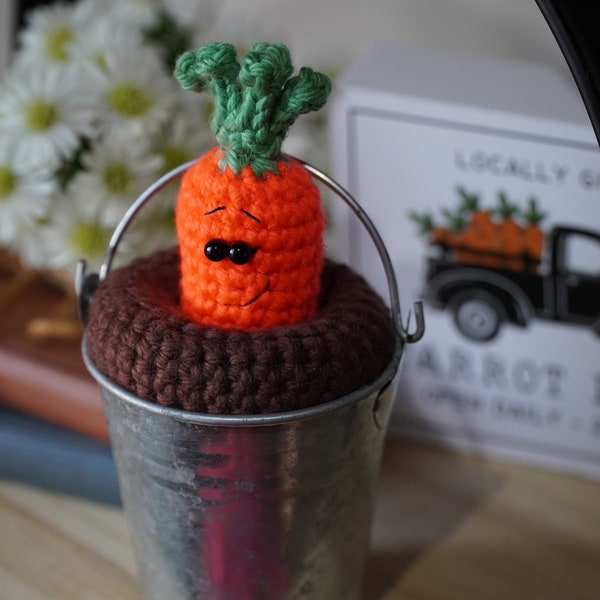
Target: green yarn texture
255 102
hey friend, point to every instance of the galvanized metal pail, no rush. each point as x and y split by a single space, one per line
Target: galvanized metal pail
257 507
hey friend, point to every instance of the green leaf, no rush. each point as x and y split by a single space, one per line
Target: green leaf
533 215
470 202
506 209
304 93
455 221
424 221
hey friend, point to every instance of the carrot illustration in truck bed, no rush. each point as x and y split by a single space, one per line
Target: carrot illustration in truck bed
480 230
533 236
249 219
501 236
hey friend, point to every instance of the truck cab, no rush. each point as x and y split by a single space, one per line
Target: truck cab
575 255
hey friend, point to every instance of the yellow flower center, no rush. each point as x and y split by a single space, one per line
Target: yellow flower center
88 239
57 41
116 177
40 115
7 182
130 100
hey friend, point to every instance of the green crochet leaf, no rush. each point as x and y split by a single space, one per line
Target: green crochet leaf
255 102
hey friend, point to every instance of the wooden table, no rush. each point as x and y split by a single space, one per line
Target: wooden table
447 526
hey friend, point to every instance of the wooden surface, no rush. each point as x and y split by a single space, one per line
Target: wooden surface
44 377
446 527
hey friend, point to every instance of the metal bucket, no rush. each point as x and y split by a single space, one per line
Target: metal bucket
257 507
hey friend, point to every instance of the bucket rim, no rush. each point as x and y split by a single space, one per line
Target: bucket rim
387 377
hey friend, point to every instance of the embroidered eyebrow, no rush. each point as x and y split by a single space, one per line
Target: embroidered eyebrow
249 214
214 210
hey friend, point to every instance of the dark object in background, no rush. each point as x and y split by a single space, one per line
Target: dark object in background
574 24
36 452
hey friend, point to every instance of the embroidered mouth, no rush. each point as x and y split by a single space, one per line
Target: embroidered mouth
266 288
253 300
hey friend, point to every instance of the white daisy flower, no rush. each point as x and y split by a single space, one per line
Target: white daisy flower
135 93
114 173
52 30
107 36
187 134
154 227
44 113
75 231
24 198
185 138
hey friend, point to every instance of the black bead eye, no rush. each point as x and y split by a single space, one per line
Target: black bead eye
216 250
240 253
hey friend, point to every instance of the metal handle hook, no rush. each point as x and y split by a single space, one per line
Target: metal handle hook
419 324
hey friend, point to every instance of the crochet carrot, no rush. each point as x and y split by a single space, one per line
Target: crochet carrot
248 219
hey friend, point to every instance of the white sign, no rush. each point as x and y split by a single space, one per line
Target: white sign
497 227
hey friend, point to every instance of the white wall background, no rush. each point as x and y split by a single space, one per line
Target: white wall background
330 33
322 32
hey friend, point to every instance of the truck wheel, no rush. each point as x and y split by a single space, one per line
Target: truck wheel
477 314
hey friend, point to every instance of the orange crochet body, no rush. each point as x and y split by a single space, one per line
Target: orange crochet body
248 218
275 225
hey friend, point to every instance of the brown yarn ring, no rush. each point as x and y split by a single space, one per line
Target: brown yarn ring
138 337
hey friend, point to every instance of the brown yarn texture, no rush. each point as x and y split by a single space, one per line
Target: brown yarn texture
138 336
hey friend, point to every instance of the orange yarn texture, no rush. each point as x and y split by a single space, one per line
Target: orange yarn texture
278 217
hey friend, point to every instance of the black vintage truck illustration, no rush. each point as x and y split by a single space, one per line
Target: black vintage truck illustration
497 266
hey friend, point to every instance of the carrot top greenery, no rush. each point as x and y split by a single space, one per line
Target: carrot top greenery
248 219
255 102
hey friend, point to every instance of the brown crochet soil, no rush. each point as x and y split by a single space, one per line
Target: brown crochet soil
138 337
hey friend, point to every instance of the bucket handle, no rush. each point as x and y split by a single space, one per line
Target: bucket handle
87 283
